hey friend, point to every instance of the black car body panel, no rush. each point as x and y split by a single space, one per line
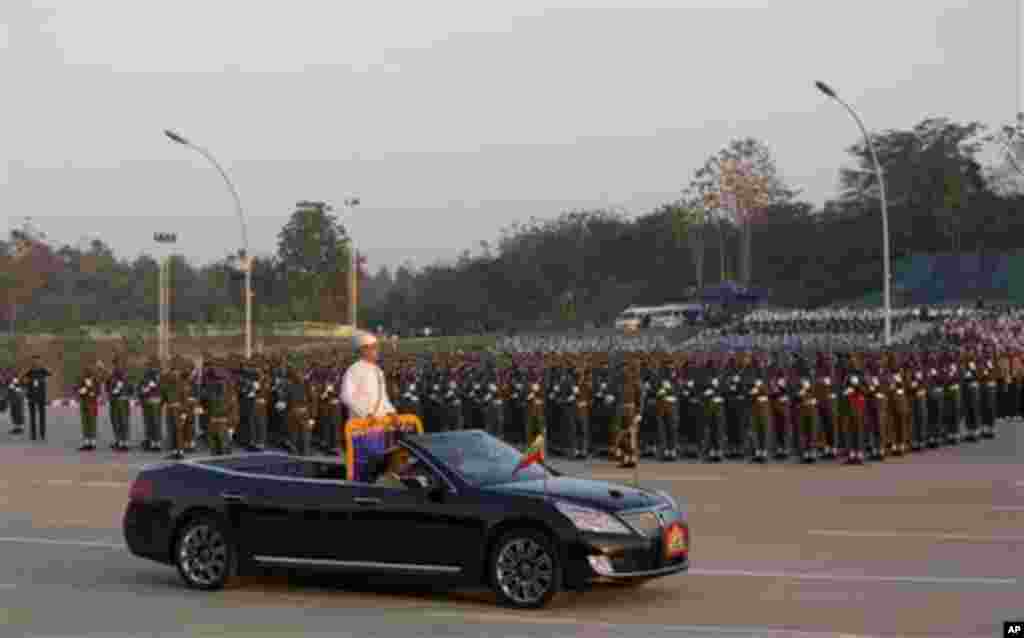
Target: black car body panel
284 510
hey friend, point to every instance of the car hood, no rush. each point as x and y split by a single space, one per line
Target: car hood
599 494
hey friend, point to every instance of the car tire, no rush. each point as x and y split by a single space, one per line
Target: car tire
205 554
524 569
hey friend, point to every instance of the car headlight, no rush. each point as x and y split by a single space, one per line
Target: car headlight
668 497
588 520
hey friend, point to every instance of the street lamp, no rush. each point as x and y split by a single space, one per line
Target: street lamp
827 90
245 259
164 332
353 283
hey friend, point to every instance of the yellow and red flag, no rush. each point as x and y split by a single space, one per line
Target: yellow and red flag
535 454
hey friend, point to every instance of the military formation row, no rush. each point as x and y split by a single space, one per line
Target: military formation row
668 406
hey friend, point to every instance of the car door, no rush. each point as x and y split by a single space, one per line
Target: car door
292 518
408 530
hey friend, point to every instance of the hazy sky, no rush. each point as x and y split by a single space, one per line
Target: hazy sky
452 120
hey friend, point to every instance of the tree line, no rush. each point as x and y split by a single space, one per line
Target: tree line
735 219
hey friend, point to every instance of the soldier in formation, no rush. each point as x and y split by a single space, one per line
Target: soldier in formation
854 407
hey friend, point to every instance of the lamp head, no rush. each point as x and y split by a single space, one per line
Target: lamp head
826 89
175 137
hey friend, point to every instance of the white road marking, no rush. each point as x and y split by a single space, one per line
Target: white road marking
1020 483
64 483
56 541
105 484
698 629
629 478
1008 509
936 536
7 585
931 580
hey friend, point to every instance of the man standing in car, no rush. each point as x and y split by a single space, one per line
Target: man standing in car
363 389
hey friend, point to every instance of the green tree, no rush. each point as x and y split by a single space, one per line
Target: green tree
313 253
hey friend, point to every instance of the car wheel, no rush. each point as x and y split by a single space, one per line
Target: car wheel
524 570
204 554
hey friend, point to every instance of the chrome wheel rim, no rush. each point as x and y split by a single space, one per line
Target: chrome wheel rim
203 555
524 570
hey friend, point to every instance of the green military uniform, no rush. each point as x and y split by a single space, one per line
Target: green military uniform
628 443
761 419
120 406
714 420
807 435
535 421
217 401
173 394
851 422
899 415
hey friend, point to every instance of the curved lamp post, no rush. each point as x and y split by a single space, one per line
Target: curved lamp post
245 257
827 90
350 204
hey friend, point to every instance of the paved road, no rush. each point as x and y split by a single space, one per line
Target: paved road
930 545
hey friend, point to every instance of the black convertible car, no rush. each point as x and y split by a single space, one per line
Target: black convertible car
464 516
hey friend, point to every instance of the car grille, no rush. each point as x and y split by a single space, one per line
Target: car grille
635 561
647 523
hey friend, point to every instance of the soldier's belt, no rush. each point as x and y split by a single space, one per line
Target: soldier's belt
261 400
157 401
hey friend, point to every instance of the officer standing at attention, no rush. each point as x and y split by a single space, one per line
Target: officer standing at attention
148 392
117 389
36 383
363 389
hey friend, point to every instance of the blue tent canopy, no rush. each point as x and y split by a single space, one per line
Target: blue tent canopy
731 292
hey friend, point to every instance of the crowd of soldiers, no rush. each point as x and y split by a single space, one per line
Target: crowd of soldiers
835 329
625 404
668 406
225 403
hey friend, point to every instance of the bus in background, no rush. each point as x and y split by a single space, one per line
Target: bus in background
676 315
667 316
632 318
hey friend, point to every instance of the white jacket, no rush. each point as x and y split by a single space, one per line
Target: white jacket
364 391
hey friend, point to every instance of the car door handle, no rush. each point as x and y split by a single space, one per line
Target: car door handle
231 497
367 501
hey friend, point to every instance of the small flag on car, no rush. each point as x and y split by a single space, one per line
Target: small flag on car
534 454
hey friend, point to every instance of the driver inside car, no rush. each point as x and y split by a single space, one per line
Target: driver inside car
393 463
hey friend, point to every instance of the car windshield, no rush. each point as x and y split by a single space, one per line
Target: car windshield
479 457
